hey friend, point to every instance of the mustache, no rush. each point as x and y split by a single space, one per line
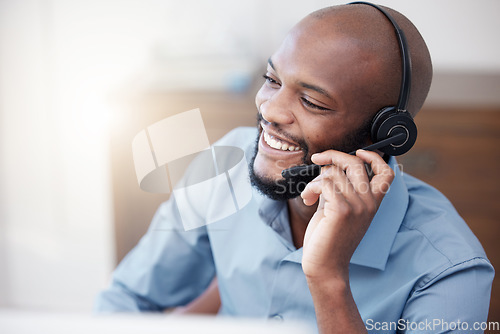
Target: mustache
302 144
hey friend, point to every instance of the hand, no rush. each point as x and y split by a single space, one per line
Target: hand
348 201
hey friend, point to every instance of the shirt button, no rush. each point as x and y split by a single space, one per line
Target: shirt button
277 317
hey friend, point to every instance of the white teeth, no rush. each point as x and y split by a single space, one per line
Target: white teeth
279 145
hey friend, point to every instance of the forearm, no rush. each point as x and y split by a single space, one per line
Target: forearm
207 303
117 299
336 311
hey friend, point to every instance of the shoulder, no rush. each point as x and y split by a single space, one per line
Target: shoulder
437 231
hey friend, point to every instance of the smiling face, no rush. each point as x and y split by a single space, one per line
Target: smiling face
318 94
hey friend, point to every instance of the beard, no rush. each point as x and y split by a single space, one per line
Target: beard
284 189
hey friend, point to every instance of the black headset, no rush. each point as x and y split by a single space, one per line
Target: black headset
391 123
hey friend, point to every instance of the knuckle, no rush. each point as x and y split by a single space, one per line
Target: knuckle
359 210
357 160
389 172
344 209
326 171
356 163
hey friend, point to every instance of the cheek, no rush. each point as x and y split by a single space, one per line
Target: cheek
322 136
260 97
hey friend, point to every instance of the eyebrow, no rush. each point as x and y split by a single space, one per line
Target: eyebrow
316 89
305 84
270 62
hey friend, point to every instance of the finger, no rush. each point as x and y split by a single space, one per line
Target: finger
383 175
353 166
341 183
337 194
311 192
333 179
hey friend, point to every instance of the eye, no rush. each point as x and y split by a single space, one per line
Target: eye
271 82
312 105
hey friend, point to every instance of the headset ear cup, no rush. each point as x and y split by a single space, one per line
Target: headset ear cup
388 123
377 121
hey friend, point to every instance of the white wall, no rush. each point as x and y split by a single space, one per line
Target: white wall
461 34
59 61
56 202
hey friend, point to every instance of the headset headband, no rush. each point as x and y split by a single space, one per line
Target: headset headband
404 92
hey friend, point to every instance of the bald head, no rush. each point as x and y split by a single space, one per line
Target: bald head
376 46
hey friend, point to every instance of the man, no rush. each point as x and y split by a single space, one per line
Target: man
354 252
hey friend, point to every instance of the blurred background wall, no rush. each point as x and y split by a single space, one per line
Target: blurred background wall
78 80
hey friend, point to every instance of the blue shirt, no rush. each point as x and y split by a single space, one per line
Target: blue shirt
417 265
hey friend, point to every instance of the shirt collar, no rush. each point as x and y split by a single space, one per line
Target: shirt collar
374 249
275 214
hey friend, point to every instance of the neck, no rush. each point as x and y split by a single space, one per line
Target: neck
300 215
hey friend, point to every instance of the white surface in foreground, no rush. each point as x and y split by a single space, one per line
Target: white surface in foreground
23 322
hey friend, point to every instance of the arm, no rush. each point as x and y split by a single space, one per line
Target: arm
348 201
207 303
169 267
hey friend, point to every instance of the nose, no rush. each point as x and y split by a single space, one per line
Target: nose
276 108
